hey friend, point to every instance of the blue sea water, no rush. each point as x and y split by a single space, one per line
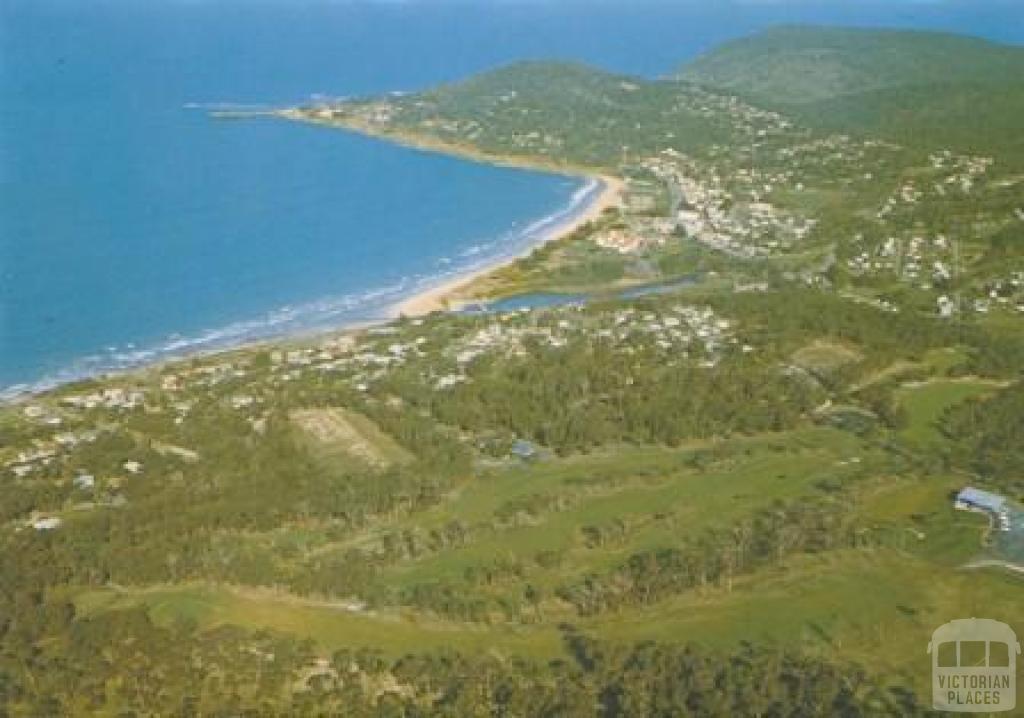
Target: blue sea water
132 225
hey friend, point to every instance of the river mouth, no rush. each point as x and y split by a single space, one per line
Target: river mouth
528 301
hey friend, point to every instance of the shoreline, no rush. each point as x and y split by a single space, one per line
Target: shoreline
446 295
435 297
425 143
443 296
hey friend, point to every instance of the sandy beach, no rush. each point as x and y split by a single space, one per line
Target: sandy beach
446 296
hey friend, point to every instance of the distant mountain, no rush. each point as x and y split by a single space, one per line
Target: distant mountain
797 64
927 91
918 87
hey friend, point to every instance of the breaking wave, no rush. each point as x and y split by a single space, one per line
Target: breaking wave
373 306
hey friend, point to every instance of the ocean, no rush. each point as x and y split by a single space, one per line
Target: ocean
134 227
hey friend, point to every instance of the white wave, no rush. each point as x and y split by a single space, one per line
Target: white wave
329 313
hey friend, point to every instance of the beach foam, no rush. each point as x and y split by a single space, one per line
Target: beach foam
373 306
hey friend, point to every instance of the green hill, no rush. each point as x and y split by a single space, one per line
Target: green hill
798 65
972 117
564 111
930 89
561 114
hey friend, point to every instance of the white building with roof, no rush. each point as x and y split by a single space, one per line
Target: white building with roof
972 499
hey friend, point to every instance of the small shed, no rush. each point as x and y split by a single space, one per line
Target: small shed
523 449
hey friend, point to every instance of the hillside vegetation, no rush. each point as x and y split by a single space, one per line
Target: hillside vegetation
559 113
926 88
806 64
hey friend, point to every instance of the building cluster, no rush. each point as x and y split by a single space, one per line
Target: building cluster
949 175
637 234
734 216
919 250
926 262
47 458
45 449
682 333
377 112
114 398
837 156
960 171
624 240
745 119
1005 292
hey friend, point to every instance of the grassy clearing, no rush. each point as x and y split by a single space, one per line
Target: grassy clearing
331 628
336 431
825 357
926 523
944 360
659 500
892 372
875 607
925 402
937 362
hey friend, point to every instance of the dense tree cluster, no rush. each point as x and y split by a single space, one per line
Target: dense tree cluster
585 395
987 436
181 523
807 525
54 663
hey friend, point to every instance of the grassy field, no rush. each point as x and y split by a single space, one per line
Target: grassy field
876 606
658 499
533 524
339 432
330 627
925 403
935 362
823 358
